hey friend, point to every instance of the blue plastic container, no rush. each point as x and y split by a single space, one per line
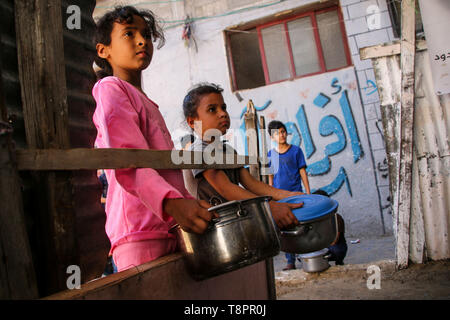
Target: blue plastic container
317 228
314 206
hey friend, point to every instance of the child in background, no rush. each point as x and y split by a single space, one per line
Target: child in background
102 178
142 204
288 167
110 267
206 113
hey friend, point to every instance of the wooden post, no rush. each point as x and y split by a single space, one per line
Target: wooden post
39 32
251 128
251 131
262 127
17 276
407 56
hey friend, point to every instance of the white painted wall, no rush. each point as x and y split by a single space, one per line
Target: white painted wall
175 68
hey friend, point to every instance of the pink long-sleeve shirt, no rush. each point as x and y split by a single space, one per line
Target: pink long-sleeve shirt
126 118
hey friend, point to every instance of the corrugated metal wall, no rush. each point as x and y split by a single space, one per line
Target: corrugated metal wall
431 168
9 74
13 102
79 52
430 207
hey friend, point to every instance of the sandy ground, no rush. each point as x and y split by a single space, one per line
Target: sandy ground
428 281
365 251
424 281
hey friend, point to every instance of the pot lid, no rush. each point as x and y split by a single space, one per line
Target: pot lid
314 206
314 254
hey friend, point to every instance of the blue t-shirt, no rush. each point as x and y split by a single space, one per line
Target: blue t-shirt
285 168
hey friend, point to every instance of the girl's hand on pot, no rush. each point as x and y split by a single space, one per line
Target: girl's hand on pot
191 215
282 214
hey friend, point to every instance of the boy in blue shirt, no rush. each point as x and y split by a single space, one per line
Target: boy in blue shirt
288 167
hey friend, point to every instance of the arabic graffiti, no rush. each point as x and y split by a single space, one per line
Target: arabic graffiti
329 125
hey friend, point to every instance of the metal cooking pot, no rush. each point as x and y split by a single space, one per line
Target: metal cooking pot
315 261
317 228
243 234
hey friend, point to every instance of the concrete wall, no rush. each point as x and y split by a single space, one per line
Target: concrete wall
356 171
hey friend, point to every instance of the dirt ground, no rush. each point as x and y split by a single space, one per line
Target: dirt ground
428 281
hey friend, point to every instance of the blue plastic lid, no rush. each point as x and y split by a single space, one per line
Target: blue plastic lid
314 206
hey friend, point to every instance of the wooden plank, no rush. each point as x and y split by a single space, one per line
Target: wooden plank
169 275
384 50
44 100
407 58
378 51
89 159
42 72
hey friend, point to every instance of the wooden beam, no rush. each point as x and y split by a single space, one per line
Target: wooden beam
44 100
378 51
90 159
168 279
407 57
384 50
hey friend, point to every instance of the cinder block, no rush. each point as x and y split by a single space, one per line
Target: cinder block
358 10
353 46
345 13
372 126
356 26
369 95
371 38
383 20
391 35
370 75
361 78
347 2
376 140
377 107
361 64
370 111
382 4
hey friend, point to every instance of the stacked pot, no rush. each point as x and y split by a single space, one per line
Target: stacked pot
245 233
316 231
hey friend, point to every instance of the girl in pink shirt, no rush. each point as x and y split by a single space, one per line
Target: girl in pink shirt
142 204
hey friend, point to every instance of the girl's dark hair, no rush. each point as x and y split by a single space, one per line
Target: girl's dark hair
189 138
192 98
122 14
275 125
